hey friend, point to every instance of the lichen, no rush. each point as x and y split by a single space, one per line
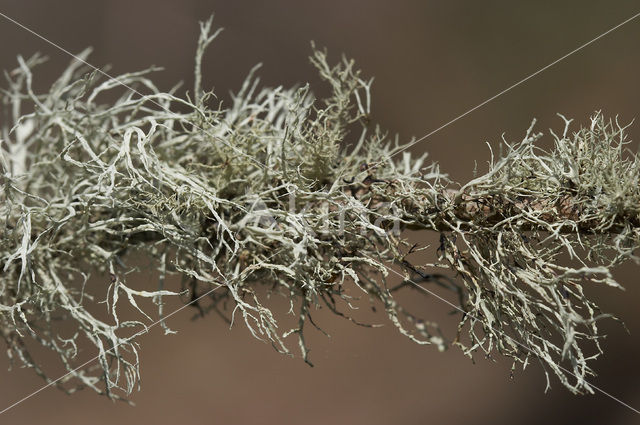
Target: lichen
297 196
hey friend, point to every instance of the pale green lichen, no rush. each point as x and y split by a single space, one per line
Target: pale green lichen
268 194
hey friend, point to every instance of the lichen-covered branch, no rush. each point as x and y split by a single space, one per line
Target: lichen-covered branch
303 197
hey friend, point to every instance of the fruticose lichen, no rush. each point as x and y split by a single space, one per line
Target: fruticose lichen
267 196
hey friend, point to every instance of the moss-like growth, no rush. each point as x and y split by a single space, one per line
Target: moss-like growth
265 193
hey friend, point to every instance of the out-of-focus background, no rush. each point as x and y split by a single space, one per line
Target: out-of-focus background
432 61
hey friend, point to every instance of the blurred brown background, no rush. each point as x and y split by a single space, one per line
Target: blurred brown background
432 61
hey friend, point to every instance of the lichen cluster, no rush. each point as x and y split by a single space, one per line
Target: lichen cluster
283 193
